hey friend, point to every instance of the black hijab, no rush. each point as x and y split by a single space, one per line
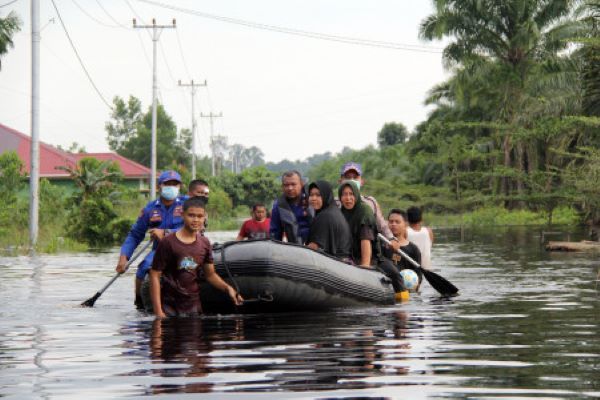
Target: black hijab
357 217
329 230
360 214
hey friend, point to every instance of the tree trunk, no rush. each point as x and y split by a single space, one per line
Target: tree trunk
521 172
505 189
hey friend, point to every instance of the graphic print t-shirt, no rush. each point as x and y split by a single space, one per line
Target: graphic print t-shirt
179 263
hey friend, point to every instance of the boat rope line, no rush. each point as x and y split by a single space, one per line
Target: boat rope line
237 288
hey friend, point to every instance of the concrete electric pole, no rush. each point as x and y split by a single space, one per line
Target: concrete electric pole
156 31
211 118
193 86
34 166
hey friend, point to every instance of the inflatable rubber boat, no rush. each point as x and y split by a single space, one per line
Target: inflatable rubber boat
276 277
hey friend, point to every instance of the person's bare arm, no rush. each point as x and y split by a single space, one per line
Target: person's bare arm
430 234
365 253
239 237
155 293
215 280
121 264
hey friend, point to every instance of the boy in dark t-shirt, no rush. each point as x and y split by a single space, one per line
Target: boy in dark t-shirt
258 226
177 260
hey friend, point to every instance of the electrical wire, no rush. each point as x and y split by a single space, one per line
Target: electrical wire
298 32
8 4
111 17
182 55
137 15
79 58
92 17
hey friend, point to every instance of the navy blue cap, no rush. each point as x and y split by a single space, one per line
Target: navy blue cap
169 176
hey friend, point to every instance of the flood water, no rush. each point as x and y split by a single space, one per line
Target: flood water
526 325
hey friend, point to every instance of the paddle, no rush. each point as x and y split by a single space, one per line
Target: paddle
90 302
439 283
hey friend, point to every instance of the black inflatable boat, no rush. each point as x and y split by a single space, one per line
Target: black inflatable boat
273 276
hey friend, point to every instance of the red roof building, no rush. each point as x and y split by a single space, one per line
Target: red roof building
52 157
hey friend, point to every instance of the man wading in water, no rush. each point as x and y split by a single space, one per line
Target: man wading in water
177 260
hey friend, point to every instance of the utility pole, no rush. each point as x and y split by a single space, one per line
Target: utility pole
34 166
211 118
193 86
156 31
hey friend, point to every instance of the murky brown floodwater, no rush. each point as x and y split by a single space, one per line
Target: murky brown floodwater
527 324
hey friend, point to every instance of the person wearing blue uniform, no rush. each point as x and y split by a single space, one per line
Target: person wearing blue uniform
159 217
290 216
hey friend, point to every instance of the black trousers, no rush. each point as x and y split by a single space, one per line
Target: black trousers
392 272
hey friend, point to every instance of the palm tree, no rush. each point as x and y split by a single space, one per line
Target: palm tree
510 42
94 177
8 27
589 12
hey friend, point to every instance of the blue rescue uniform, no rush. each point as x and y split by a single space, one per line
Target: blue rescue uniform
154 215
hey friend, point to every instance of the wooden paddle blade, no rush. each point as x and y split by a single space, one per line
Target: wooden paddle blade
439 283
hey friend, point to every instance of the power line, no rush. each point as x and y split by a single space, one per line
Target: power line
92 17
8 4
110 16
162 50
182 56
298 32
79 58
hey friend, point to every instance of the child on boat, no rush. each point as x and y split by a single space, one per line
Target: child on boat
174 288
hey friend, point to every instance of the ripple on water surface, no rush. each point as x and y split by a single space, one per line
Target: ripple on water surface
518 330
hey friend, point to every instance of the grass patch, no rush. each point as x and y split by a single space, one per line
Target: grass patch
498 216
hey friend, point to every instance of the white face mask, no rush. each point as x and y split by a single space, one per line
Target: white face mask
169 192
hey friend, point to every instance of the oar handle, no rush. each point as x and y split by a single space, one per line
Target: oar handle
136 255
402 253
131 260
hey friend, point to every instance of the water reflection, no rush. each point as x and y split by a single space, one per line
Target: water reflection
526 325
307 352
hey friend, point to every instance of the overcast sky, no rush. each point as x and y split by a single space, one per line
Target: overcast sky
291 96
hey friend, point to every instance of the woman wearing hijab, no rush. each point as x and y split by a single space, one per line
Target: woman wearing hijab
361 221
329 230
363 228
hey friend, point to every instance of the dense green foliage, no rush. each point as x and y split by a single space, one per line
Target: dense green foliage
301 166
516 125
91 207
9 25
129 133
392 133
13 210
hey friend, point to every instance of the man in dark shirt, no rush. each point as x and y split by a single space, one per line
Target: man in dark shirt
177 260
290 216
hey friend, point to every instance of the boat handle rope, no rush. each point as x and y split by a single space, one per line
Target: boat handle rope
237 288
